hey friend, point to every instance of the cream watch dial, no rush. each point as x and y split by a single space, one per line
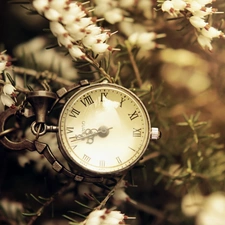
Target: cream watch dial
104 128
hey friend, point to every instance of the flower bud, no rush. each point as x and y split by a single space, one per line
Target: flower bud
197 22
7 100
8 89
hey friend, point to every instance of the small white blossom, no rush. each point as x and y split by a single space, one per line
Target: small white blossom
7 100
205 42
52 14
99 48
126 3
191 204
57 28
197 22
104 217
179 4
212 210
2 66
67 18
194 6
9 89
58 5
40 5
211 32
114 15
76 52
168 6
64 40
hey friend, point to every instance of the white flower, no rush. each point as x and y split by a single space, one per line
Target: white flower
94 30
191 204
99 48
89 40
8 89
194 6
57 28
211 32
52 14
114 15
2 66
58 5
40 5
7 100
126 3
68 18
179 4
144 40
104 217
64 40
213 210
86 21
197 22
204 42
168 6
76 52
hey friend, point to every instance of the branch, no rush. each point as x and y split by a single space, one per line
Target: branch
47 203
134 65
45 74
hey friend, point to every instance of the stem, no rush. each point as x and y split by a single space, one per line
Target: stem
110 194
45 74
47 203
134 64
102 71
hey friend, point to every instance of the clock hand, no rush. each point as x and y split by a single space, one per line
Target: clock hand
102 131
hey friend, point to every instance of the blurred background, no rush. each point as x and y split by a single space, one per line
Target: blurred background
181 178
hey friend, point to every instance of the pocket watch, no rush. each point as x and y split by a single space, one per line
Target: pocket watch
104 129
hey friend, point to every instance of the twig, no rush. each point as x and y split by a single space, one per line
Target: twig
134 65
102 71
47 203
45 74
110 194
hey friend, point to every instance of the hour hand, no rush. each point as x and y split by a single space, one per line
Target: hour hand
89 134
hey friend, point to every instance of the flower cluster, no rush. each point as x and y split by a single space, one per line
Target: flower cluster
105 217
206 209
74 29
116 11
145 40
197 12
7 95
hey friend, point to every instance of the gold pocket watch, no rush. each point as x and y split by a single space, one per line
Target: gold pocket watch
104 129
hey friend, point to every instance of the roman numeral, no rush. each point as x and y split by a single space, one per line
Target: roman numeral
121 101
118 160
87 100
134 115
69 130
136 132
103 95
86 158
102 163
74 113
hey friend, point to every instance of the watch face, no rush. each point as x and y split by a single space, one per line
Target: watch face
104 129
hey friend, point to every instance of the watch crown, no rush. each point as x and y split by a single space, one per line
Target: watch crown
155 133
